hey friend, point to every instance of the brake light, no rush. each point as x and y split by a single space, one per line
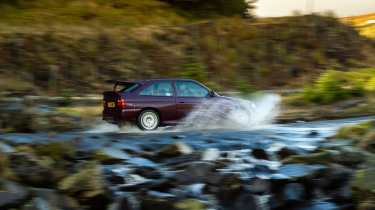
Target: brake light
121 103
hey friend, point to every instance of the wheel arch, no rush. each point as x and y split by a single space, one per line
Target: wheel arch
150 108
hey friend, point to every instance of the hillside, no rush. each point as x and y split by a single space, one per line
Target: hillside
364 23
64 47
90 13
113 13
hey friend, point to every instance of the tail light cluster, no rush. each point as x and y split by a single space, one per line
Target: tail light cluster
121 103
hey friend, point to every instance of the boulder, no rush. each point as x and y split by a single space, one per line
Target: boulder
174 150
190 204
87 185
43 172
109 156
363 186
245 201
12 195
368 142
156 200
196 172
294 192
45 199
3 164
285 152
259 186
348 156
125 202
259 153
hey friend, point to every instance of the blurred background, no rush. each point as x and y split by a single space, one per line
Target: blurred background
318 56
314 51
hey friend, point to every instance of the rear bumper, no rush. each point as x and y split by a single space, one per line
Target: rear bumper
118 116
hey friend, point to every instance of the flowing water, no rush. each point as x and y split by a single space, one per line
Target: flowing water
248 129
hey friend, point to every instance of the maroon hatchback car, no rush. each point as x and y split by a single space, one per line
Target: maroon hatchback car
153 103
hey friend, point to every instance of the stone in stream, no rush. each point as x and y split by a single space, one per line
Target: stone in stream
259 186
12 195
285 152
348 156
149 173
157 200
245 201
368 142
87 186
43 172
190 204
313 133
111 155
334 180
196 172
126 201
294 192
259 153
50 199
174 150
363 187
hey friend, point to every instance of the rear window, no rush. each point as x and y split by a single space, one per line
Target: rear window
127 87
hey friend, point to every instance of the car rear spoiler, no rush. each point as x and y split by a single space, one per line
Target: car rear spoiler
119 82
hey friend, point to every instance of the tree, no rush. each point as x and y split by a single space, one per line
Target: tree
209 8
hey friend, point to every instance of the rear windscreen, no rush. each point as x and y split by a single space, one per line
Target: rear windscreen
126 87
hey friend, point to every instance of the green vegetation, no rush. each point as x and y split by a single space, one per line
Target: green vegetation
334 86
230 53
113 13
362 134
91 13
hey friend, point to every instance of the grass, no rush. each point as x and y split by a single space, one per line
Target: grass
92 13
82 111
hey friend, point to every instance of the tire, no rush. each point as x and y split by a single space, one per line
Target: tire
148 120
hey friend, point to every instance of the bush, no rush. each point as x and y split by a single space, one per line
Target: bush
334 86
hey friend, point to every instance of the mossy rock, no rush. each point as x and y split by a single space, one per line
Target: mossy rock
363 186
356 132
324 157
174 150
190 204
3 164
86 183
348 156
57 151
33 170
368 142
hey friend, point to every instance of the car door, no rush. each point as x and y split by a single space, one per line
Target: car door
189 94
160 96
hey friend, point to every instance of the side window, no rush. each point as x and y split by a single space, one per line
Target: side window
158 89
190 89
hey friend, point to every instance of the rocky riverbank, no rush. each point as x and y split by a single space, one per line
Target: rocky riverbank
193 172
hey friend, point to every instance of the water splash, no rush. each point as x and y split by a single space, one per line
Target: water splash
233 114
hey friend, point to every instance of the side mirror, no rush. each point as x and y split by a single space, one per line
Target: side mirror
212 94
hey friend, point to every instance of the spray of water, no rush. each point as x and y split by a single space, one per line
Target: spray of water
231 114
234 113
